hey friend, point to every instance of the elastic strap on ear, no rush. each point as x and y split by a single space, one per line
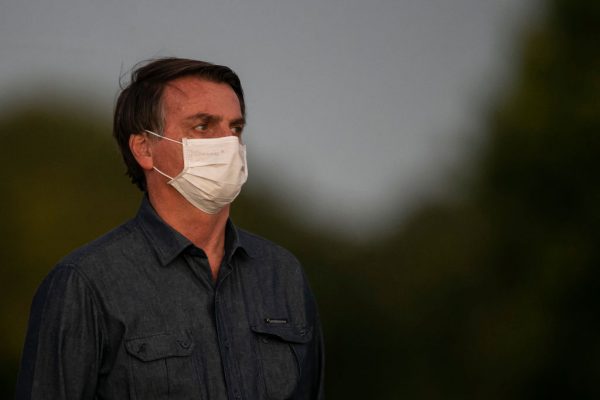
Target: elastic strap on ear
162 173
162 137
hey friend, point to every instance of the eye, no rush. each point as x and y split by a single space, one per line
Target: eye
201 127
237 130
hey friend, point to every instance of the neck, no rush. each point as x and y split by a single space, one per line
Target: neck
206 231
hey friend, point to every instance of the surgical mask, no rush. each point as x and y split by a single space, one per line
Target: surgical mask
214 171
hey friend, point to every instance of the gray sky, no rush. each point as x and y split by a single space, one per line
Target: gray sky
356 108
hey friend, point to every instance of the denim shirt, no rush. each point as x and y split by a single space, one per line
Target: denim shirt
136 315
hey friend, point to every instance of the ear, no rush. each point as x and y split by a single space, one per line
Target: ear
140 147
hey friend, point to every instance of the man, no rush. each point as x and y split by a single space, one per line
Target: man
177 303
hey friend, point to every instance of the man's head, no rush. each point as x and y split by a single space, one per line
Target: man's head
140 105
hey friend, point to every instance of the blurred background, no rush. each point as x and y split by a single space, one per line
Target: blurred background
430 163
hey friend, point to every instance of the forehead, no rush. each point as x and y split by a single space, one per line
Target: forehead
192 94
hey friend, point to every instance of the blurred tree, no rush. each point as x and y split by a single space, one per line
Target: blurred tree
496 295
541 196
61 186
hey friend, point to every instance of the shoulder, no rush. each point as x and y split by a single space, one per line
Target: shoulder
106 251
259 247
270 260
64 295
92 269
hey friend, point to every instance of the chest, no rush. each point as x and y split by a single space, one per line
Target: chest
176 334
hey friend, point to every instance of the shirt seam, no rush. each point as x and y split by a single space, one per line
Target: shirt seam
94 297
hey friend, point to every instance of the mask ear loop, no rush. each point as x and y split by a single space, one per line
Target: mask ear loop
163 137
162 173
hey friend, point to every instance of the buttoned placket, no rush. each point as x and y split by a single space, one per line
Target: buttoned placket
198 263
221 322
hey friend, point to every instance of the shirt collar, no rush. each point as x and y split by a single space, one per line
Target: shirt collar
232 241
168 243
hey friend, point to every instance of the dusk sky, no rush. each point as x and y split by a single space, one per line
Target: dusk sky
356 109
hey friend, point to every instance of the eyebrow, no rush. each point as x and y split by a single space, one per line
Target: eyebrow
239 122
213 118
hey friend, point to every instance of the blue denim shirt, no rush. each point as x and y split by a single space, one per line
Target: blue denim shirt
136 315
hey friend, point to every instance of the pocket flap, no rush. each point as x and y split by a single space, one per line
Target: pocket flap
288 333
159 346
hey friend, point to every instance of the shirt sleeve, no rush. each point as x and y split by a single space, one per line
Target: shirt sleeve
63 346
319 356
315 390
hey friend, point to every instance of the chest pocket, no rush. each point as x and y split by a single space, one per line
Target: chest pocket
282 349
162 366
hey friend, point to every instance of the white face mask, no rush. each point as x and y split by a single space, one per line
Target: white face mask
214 171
